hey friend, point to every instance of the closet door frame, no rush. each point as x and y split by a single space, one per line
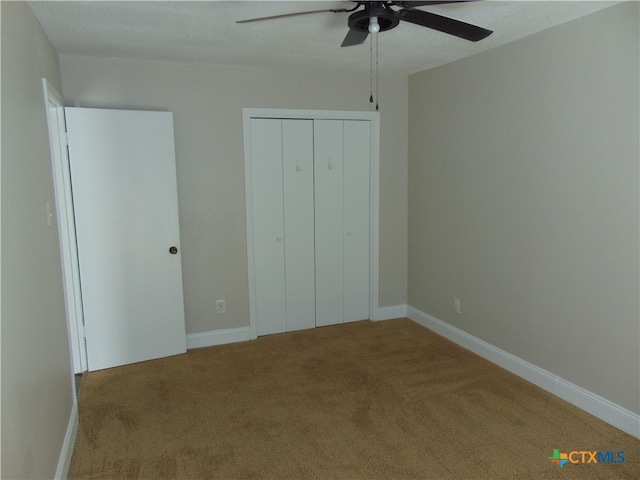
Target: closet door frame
374 192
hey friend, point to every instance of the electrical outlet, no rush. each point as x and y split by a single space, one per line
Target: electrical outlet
456 305
221 306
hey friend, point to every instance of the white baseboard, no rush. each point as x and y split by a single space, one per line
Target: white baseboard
388 313
64 461
242 334
596 405
218 337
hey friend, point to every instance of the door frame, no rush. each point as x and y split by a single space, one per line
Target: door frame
54 108
374 193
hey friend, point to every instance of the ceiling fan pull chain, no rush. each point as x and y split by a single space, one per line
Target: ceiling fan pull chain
371 69
377 88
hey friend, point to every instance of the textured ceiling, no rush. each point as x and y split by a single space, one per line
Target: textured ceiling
206 32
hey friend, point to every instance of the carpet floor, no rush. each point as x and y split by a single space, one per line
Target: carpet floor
365 400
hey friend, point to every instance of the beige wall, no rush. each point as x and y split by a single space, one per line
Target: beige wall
523 199
207 102
36 370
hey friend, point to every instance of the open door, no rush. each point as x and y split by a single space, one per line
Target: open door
123 178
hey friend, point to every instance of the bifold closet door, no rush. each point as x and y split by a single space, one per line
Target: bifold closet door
297 174
356 211
283 224
268 225
342 156
329 180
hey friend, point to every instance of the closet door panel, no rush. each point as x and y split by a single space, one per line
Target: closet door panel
357 158
329 187
268 225
297 164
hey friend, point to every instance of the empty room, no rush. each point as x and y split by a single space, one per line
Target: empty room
320 239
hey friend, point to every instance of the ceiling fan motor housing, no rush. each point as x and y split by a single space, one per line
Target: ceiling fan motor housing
387 19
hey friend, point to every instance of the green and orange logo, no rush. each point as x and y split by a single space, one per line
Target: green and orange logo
586 456
559 458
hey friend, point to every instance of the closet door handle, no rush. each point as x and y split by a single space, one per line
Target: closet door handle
348 233
278 238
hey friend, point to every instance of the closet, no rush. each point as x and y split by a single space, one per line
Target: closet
309 184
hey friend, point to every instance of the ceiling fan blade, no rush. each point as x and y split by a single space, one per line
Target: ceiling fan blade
354 37
296 14
453 27
426 4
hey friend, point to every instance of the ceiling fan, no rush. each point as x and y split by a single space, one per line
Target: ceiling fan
374 17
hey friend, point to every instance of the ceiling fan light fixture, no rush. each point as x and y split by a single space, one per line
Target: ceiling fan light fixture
385 19
374 26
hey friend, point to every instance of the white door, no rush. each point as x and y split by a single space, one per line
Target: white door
268 225
342 220
297 166
283 226
311 182
126 210
329 200
357 230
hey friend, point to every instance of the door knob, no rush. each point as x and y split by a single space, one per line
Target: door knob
173 250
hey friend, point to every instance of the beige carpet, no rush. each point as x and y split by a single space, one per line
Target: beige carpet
365 400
